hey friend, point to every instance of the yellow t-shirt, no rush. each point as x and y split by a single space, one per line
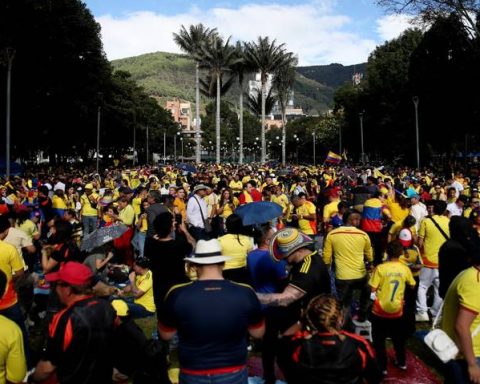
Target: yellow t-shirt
411 257
87 209
29 227
433 239
127 215
398 214
281 200
308 227
329 210
145 283
10 261
58 202
236 186
389 280
13 366
349 247
397 227
182 207
236 247
136 203
463 292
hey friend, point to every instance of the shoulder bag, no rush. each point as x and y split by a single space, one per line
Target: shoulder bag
206 224
440 343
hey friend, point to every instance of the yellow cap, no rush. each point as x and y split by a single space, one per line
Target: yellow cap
120 307
89 186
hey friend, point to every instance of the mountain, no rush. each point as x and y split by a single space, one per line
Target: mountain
332 75
167 75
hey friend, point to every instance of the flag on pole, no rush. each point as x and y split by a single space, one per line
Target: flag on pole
334 158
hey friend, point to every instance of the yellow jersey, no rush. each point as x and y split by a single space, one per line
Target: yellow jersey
389 280
145 284
433 239
463 293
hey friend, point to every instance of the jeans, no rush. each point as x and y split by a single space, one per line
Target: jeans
15 314
138 311
89 224
138 242
456 372
428 277
238 377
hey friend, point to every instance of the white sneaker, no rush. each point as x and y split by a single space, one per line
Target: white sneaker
422 316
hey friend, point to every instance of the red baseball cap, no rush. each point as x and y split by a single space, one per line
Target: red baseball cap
71 273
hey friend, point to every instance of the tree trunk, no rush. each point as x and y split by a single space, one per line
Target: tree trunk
217 121
262 132
240 159
197 116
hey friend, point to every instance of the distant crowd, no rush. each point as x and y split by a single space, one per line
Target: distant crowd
349 257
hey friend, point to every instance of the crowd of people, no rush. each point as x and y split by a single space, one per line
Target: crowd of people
354 256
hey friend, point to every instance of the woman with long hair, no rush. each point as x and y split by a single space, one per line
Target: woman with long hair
225 208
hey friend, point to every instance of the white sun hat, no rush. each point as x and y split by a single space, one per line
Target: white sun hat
207 252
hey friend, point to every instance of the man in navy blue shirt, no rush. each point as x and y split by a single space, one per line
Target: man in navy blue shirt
213 317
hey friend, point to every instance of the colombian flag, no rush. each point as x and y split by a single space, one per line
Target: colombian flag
332 157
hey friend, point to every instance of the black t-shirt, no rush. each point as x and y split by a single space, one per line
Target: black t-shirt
212 318
311 277
332 359
166 264
79 342
65 252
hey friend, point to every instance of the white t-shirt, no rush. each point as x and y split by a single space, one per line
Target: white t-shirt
454 210
419 211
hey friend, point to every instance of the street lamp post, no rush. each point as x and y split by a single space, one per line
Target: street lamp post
10 54
99 116
164 147
147 144
181 140
415 103
362 156
175 147
313 135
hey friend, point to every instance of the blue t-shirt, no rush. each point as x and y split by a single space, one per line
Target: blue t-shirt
212 318
266 274
336 221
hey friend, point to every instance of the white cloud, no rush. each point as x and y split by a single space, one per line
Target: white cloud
391 26
312 30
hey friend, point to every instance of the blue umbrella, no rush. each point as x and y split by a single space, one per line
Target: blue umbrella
186 167
258 212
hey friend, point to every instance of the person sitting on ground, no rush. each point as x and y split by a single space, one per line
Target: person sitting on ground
323 353
146 360
141 286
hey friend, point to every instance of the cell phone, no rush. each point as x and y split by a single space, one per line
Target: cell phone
178 218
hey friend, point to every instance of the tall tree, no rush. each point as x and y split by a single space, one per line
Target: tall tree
431 10
239 69
265 56
190 41
283 80
217 56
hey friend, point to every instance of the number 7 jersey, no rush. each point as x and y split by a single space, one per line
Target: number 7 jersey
389 280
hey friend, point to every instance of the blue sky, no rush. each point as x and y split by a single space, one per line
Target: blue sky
318 31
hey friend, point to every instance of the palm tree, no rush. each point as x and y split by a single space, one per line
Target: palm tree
254 103
190 42
265 57
240 69
283 80
217 56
